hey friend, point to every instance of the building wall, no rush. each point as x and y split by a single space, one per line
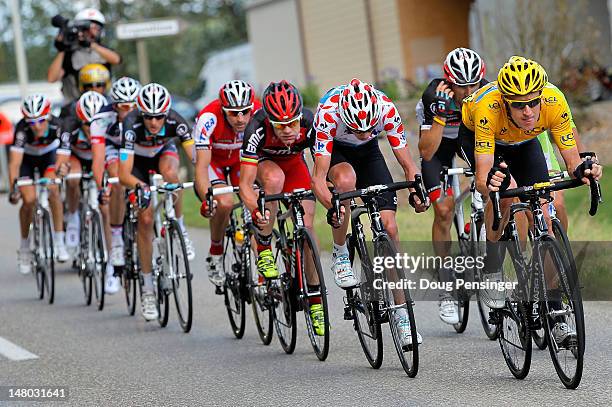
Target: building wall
429 30
274 35
336 39
386 36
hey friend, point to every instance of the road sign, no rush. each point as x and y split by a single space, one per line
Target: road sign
148 29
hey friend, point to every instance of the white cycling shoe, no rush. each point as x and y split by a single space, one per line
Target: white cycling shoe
403 326
343 272
449 312
492 298
189 247
113 283
24 261
61 254
149 306
563 334
214 266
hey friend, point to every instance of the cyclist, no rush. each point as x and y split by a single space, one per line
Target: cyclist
92 77
106 142
37 145
348 120
273 154
505 117
439 115
218 135
147 145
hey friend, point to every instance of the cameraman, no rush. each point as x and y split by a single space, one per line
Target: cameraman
85 49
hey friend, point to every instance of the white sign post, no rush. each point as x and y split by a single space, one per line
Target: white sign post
140 31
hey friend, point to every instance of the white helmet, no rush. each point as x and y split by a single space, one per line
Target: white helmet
154 99
359 106
36 106
125 90
91 14
236 94
89 105
464 67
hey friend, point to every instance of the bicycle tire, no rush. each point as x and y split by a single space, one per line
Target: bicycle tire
262 310
564 245
283 294
39 271
232 290
407 354
571 300
515 319
490 330
85 271
129 274
181 280
320 347
99 255
365 312
49 266
161 288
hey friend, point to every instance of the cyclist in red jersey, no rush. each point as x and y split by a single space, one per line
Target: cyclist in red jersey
218 135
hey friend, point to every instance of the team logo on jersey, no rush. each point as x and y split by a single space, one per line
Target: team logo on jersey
565 116
503 131
254 141
433 108
484 121
209 123
182 129
568 140
494 106
130 136
65 137
483 146
551 100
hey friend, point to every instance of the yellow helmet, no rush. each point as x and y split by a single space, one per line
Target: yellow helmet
521 76
93 73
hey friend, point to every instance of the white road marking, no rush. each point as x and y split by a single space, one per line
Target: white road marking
14 352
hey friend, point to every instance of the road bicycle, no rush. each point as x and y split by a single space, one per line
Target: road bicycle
171 272
367 305
296 255
546 279
41 237
471 238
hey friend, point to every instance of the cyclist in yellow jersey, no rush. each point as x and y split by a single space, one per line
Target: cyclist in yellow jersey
505 117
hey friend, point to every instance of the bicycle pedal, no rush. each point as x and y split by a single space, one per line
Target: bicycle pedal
494 318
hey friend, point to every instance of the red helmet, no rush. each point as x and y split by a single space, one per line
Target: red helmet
282 101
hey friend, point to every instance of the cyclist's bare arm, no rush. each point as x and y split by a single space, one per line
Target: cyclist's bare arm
319 180
429 140
202 181
15 159
125 172
248 174
98 153
484 163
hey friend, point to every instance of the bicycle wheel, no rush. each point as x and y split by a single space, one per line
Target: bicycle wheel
399 302
47 258
180 276
308 256
234 301
477 239
515 338
98 257
161 283
258 292
463 297
567 356
364 305
129 275
564 245
85 258
283 295
37 261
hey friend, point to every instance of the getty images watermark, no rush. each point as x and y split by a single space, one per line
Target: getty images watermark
412 264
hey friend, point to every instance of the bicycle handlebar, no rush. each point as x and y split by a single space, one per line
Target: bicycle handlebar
39 181
171 187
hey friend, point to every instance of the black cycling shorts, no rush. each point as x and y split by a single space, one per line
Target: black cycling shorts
443 157
370 167
42 163
526 162
144 165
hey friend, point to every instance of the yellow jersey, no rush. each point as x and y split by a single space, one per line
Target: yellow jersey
484 113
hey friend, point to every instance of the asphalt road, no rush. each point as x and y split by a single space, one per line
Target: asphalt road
109 358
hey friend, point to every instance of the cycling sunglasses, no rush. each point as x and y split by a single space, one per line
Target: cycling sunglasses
290 123
153 116
88 86
235 113
522 104
125 105
36 120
